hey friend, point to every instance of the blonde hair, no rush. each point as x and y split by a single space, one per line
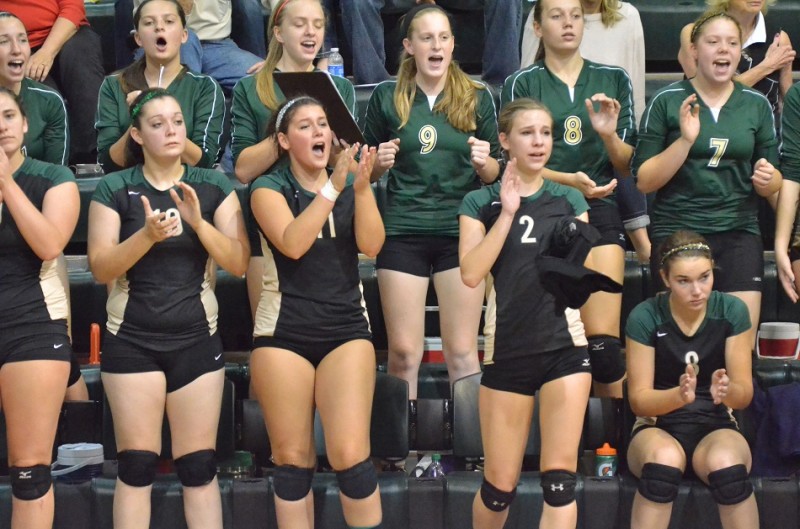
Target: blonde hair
609 12
265 87
460 96
724 5
505 121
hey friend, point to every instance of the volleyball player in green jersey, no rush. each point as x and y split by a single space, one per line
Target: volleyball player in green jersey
47 138
787 244
588 147
39 208
159 230
706 147
311 346
294 26
436 133
689 364
160 31
530 346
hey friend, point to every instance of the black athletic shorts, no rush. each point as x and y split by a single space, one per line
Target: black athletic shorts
314 352
738 261
528 374
418 255
36 341
687 434
180 367
606 219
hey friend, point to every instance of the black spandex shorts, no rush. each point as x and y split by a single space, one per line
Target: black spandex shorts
37 341
738 261
314 352
528 374
687 434
180 367
605 217
418 255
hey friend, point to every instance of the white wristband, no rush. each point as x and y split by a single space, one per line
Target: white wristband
329 192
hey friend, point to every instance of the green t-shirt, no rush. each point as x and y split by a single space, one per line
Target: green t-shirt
47 138
576 145
790 135
202 104
432 171
712 192
249 116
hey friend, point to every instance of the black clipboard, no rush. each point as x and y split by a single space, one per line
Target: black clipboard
319 85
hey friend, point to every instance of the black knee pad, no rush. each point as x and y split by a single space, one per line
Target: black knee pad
607 363
30 483
292 483
558 487
659 483
196 468
137 468
358 481
730 485
495 499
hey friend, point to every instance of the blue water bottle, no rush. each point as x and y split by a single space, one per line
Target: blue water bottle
335 63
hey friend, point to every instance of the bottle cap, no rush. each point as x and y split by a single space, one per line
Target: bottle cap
606 450
334 50
436 457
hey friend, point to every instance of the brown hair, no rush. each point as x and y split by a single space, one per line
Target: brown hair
697 28
134 154
505 121
132 78
460 96
279 122
537 18
680 245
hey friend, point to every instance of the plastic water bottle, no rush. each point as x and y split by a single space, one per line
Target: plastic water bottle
335 63
605 461
435 470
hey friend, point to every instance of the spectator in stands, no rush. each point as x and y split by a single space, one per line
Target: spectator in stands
437 135
66 55
209 48
158 230
160 30
39 207
707 148
364 31
312 346
689 362
787 243
767 54
613 35
47 137
590 148
293 25
529 346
